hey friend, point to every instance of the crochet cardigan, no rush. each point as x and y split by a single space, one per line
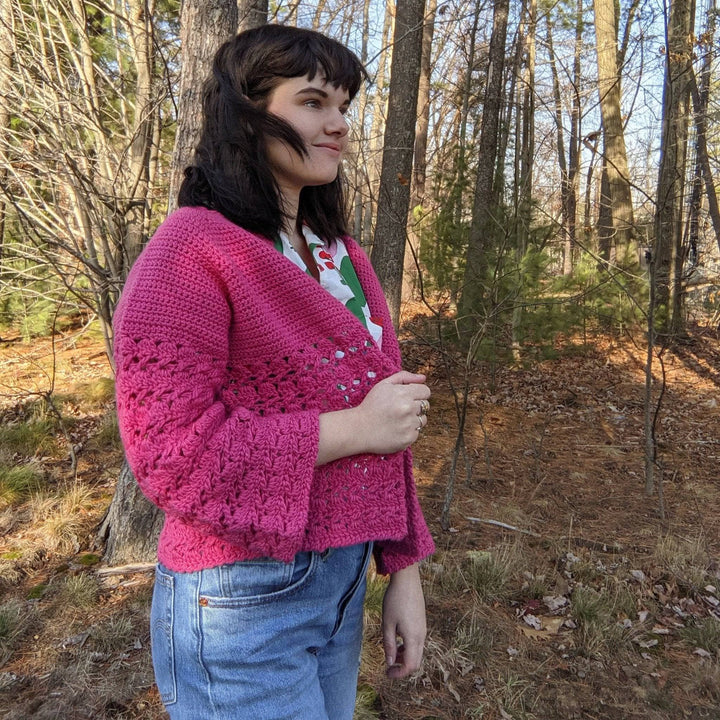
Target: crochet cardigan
226 354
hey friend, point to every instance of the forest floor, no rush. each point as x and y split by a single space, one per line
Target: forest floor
559 589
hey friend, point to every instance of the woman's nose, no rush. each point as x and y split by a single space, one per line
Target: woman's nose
337 123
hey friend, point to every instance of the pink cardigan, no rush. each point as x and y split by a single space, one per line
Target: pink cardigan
226 355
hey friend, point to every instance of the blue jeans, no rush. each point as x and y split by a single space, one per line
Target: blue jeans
261 639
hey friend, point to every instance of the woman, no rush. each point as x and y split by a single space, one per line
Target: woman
263 407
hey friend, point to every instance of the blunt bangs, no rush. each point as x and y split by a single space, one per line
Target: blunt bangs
339 66
269 52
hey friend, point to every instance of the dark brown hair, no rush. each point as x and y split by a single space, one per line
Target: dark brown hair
230 171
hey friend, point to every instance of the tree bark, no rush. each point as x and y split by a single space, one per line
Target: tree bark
668 252
483 227
251 14
394 193
621 209
701 97
204 26
132 523
372 150
417 187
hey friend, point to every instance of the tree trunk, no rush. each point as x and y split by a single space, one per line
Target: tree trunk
459 205
574 149
605 229
357 157
568 160
668 252
374 146
204 26
132 523
620 209
483 227
417 188
526 123
251 14
701 97
394 193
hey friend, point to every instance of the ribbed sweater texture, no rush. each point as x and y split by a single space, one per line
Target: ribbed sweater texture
226 354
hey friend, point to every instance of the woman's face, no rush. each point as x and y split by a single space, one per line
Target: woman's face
316 110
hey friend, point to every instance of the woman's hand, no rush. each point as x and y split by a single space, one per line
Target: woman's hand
404 618
391 415
388 420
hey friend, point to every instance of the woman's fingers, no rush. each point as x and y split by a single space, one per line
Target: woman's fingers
393 412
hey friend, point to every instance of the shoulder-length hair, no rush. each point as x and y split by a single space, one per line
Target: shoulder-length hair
230 172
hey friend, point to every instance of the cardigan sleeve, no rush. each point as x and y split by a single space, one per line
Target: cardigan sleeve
224 471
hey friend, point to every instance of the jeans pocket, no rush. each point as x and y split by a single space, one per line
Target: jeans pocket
162 622
256 582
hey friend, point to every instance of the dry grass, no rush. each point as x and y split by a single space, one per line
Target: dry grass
685 559
61 520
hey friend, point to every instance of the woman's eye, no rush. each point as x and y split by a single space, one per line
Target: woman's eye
312 103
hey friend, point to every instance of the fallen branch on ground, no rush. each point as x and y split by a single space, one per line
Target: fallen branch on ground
503 525
126 569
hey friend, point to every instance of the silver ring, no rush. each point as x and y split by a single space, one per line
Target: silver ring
424 407
419 428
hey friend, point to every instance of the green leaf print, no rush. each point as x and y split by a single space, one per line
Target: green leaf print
358 303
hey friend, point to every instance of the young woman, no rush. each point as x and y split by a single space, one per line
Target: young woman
263 407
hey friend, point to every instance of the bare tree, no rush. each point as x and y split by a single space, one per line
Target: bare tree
81 153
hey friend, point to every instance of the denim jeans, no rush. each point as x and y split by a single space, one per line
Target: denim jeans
261 639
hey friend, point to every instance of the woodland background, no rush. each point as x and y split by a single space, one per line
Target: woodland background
535 185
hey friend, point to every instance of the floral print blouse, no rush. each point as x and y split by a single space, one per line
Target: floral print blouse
336 275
